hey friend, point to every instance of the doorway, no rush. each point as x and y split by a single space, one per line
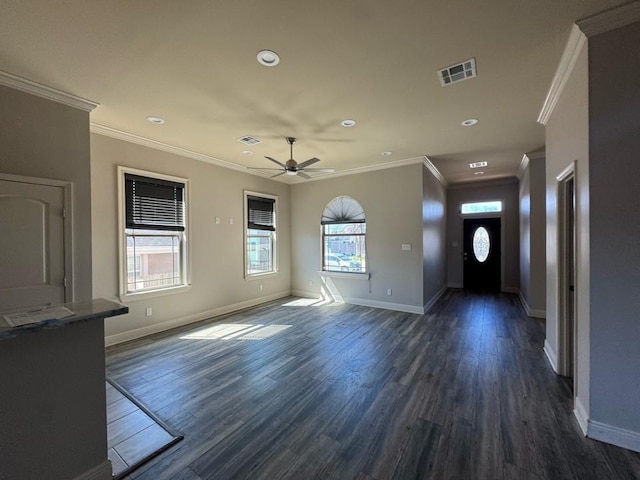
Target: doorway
481 254
567 319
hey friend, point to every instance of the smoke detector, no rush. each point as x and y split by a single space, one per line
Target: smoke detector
458 72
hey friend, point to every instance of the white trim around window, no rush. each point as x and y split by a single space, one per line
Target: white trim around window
185 240
264 264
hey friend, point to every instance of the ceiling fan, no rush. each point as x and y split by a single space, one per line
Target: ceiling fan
291 167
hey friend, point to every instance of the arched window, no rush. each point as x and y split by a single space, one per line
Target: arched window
343 236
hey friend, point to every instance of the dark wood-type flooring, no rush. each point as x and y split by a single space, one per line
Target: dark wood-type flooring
291 391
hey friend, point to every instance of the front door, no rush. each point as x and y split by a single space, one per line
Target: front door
31 245
481 255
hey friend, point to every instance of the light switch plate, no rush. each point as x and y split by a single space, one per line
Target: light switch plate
406 246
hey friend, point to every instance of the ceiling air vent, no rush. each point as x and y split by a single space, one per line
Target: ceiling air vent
458 72
249 140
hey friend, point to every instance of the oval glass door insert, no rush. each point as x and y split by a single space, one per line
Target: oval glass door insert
481 244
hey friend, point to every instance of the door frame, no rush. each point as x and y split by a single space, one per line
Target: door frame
501 215
67 220
567 324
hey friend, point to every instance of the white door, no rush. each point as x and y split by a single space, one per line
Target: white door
31 245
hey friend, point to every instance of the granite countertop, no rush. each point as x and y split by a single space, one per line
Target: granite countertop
98 308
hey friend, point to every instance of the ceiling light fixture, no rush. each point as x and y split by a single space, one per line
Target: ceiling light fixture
479 173
156 120
385 154
247 152
268 58
470 122
348 123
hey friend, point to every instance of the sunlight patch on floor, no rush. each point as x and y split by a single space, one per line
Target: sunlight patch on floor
308 302
235 331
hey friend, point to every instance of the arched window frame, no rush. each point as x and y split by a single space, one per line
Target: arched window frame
344 232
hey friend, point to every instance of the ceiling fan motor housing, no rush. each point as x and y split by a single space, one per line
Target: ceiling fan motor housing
292 165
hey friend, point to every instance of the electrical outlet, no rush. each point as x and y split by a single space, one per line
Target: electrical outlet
260 287
230 220
148 312
217 220
388 291
310 283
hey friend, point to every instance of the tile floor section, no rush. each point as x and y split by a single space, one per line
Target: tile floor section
132 435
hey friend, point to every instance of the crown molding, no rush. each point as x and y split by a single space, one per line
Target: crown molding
370 168
147 142
165 147
610 20
434 171
570 55
524 163
40 90
526 158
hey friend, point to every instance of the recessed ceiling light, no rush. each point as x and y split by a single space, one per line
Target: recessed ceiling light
479 173
469 122
385 154
247 152
268 58
156 120
348 123
478 165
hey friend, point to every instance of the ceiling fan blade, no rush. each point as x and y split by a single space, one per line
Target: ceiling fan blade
260 168
277 174
320 170
311 161
276 161
303 175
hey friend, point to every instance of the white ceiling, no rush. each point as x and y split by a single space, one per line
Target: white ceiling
193 63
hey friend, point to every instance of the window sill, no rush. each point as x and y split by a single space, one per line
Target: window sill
258 276
128 297
351 275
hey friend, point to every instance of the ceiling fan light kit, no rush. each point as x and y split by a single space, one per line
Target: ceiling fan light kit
293 168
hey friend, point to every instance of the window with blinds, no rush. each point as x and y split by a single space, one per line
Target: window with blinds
260 233
154 232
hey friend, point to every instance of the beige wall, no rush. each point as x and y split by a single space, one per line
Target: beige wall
567 141
216 251
614 168
392 201
533 237
44 139
505 190
525 235
434 252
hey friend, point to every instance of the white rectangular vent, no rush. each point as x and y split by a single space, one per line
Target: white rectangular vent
249 140
478 164
458 72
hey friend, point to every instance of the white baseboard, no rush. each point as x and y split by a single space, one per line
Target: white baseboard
455 285
400 307
196 317
531 312
434 299
304 294
581 415
551 356
100 472
614 435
